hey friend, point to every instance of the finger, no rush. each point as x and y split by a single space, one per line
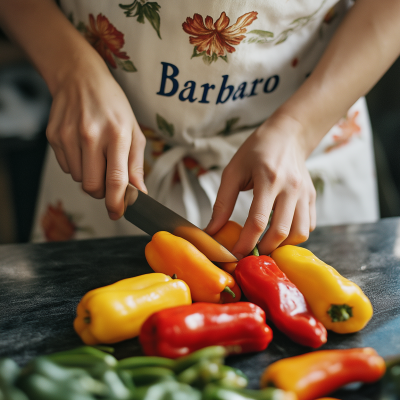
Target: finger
52 130
65 136
136 160
93 165
300 229
256 222
313 208
227 195
61 159
117 174
73 153
281 222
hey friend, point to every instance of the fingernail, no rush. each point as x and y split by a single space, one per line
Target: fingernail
113 216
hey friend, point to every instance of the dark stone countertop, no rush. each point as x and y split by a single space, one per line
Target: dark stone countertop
41 285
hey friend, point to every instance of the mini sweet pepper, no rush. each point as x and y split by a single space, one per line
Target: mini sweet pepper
228 235
116 312
175 256
337 302
264 284
175 332
319 373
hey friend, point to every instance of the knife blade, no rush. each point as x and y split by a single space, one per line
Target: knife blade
151 216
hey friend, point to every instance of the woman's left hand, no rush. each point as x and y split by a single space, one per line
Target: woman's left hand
272 163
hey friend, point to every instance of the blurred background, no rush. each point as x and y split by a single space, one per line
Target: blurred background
24 108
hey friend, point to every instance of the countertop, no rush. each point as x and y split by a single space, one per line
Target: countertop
41 285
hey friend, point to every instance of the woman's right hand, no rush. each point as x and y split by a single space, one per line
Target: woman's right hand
92 129
95 135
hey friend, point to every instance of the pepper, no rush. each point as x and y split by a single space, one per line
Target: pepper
9 371
264 284
319 373
45 380
390 383
175 332
175 256
216 392
212 353
337 302
116 312
228 235
169 390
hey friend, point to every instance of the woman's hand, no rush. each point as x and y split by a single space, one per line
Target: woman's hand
272 160
272 163
95 135
92 129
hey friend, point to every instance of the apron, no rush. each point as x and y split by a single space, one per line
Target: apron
200 77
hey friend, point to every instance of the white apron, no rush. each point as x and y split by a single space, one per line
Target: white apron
200 76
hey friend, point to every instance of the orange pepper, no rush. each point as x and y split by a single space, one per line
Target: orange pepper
319 373
228 235
175 256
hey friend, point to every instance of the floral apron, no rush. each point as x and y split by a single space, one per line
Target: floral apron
200 77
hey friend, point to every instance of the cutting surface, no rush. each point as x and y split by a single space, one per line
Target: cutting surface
41 285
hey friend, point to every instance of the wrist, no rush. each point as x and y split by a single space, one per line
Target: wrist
80 64
293 129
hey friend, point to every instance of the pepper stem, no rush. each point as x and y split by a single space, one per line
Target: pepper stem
229 290
340 312
174 276
255 251
87 319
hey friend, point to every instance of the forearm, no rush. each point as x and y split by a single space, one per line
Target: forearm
48 38
363 48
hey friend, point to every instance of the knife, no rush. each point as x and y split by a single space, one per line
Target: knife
151 216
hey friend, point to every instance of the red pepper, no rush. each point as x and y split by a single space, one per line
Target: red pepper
264 284
178 331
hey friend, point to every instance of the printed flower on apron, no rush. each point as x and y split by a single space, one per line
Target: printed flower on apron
108 41
141 9
214 40
58 225
349 128
262 36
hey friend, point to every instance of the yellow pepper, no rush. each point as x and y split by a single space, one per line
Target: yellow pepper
338 303
173 255
116 312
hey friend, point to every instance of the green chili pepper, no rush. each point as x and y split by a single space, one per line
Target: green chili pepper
39 387
232 377
43 366
11 393
138 362
8 374
200 374
215 392
390 383
214 353
83 360
117 388
150 375
8 371
169 390
77 380
126 380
